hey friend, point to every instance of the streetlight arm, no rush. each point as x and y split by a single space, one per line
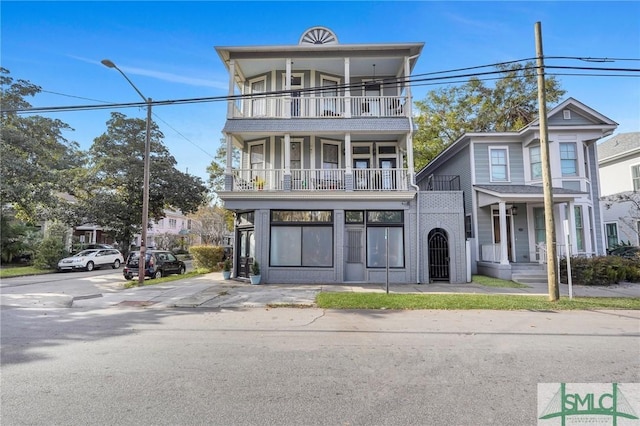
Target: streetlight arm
110 64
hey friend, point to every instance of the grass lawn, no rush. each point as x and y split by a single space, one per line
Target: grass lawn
168 278
496 282
19 271
340 300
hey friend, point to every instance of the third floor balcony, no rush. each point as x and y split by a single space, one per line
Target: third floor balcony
311 106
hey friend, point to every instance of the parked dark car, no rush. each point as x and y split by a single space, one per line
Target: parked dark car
159 263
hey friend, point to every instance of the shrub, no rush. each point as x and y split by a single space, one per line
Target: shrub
600 270
207 257
50 251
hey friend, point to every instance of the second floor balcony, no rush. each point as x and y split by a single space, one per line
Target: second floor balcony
291 106
311 180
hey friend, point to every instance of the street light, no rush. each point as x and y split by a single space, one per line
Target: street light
145 185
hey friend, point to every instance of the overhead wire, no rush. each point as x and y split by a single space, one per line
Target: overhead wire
413 80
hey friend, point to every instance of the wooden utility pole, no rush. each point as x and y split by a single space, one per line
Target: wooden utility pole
550 227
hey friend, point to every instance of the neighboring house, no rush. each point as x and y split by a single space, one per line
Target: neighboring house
174 223
619 168
501 176
325 191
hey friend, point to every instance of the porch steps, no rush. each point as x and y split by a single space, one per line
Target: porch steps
529 273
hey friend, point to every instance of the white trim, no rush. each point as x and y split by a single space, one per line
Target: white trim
508 171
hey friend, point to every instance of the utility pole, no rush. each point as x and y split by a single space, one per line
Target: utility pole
550 227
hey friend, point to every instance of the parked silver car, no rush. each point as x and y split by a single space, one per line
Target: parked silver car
91 259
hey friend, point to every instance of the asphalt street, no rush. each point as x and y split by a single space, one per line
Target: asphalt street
249 366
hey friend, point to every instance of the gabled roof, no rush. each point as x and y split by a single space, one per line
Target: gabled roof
622 144
595 120
577 107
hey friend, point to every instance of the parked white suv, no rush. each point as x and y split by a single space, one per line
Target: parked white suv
91 259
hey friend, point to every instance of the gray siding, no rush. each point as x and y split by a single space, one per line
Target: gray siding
459 165
576 119
595 196
482 162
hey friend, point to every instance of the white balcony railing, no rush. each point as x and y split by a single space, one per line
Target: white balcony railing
320 107
320 180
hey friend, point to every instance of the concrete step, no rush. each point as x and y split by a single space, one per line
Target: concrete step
529 279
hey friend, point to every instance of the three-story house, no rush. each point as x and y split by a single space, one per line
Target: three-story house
325 191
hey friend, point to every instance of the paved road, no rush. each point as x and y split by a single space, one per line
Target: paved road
123 366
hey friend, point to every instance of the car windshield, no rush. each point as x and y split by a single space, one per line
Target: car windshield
84 253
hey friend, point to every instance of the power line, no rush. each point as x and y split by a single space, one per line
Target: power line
398 81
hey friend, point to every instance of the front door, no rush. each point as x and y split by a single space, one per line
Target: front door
438 255
360 170
354 253
246 251
388 166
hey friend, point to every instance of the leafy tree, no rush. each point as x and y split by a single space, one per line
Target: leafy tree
210 224
447 113
16 237
217 167
114 185
36 161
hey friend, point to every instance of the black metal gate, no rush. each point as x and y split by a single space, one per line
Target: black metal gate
438 255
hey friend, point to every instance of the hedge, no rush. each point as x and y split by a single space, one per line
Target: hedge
601 270
207 257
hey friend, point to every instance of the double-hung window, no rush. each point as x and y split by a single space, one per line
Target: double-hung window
499 160
568 159
612 235
635 177
536 162
579 228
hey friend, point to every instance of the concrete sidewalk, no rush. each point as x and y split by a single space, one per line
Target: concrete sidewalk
212 291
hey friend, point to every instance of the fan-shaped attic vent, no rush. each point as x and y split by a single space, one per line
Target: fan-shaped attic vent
318 35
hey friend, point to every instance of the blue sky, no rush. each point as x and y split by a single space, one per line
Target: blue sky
167 50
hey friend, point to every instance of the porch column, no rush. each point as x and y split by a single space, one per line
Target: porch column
504 247
407 85
228 172
287 154
287 88
573 240
347 90
348 173
232 76
286 177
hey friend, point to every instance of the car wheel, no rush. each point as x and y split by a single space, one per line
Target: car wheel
116 264
157 274
128 277
90 266
182 270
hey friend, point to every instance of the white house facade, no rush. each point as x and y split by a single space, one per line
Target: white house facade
619 168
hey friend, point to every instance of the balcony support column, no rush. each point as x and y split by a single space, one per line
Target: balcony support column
286 177
228 172
347 90
287 88
232 76
348 173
